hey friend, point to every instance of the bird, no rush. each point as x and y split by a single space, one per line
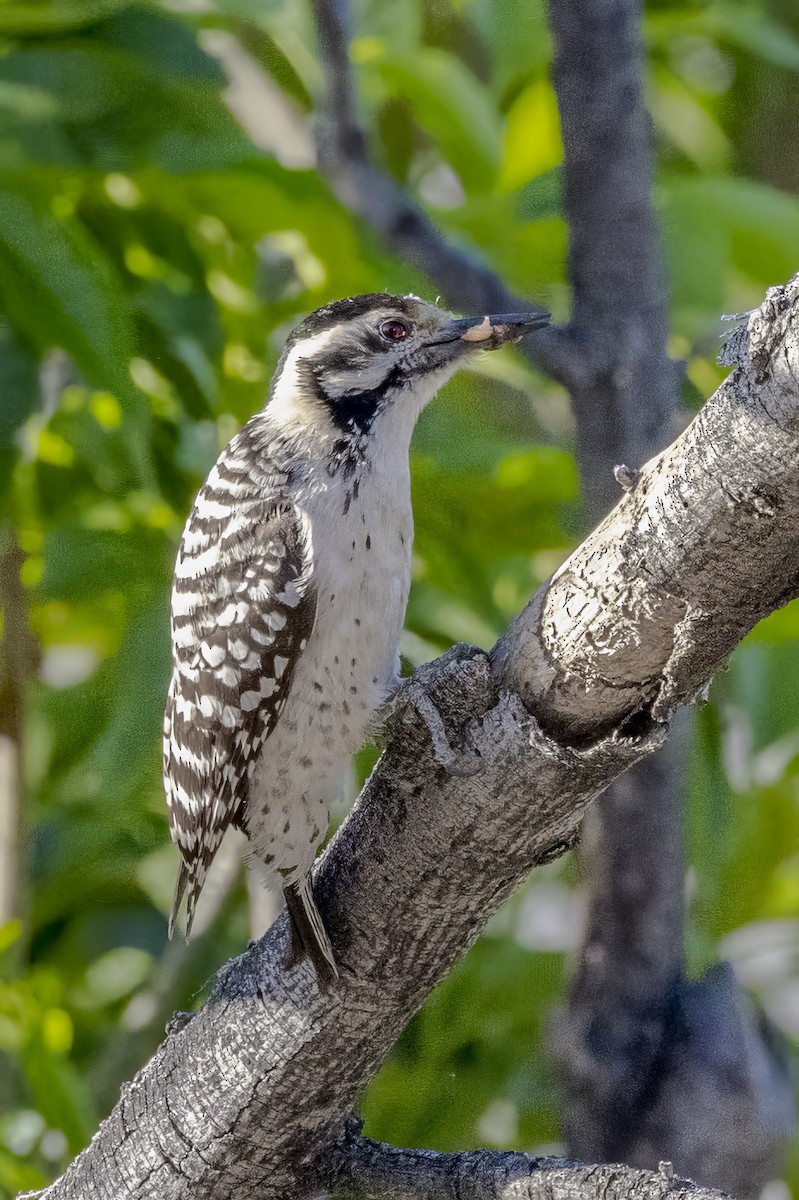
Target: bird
290 588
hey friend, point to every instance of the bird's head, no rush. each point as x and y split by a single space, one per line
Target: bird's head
377 358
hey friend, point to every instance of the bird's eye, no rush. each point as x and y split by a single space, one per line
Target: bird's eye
393 330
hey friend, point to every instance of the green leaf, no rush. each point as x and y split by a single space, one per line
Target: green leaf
102 100
698 252
519 42
59 1094
715 221
19 384
17 1176
163 46
40 17
542 197
450 104
79 562
754 32
59 290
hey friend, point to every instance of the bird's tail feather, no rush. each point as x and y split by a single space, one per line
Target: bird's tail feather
185 876
309 936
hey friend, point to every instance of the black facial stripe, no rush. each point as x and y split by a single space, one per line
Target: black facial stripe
352 412
339 360
357 412
375 343
335 314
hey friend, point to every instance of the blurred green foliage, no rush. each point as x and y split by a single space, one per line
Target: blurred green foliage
152 258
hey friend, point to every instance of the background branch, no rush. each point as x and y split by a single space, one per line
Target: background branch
463 279
610 1044
625 392
366 1170
633 1092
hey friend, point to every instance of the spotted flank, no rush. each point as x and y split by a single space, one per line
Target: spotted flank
243 607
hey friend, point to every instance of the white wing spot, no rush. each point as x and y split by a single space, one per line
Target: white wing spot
290 596
233 612
239 648
213 655
229 716
211 510
184 603
184 707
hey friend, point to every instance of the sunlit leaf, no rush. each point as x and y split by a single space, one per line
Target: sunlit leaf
58 290
450 104
36 17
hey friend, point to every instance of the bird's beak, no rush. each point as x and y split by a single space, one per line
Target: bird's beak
486 333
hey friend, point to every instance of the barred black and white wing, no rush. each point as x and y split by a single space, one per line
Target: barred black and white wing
243 607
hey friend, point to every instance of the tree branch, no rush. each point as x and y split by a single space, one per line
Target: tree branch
249 1095
610 1042
365 1170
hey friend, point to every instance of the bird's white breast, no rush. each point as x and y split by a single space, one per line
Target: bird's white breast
362 533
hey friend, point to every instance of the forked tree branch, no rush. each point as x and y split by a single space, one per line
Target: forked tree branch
249 1096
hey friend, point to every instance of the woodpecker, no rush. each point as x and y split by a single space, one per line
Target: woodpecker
290 589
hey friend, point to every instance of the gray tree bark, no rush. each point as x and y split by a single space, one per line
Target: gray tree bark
365 1170
253 1094
634 1025
645 1053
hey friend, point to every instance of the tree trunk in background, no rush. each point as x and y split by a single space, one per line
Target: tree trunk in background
644 1053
